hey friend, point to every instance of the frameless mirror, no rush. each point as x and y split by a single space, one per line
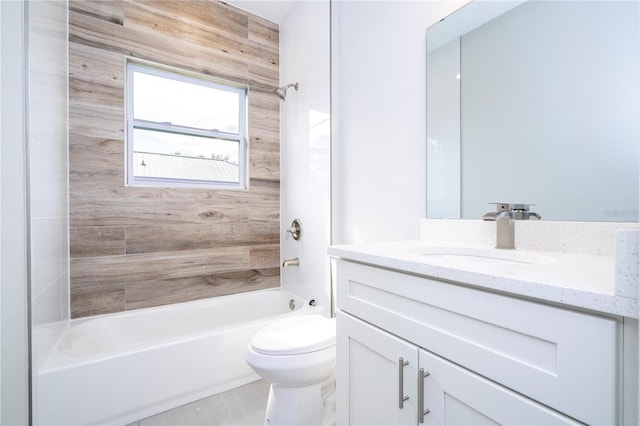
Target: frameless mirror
535 102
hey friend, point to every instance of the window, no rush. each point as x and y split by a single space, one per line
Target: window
184 131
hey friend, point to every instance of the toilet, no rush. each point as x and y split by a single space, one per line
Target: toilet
297 357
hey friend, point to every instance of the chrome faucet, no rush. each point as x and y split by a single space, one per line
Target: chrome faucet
291 262
504 216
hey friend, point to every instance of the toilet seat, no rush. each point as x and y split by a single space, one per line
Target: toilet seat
298 335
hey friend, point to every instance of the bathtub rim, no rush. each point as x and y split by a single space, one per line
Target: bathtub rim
58 359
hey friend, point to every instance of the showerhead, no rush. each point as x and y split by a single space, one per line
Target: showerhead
282 92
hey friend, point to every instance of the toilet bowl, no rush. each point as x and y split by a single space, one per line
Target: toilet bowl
297 357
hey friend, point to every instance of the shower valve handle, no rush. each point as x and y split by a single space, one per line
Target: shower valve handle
295 229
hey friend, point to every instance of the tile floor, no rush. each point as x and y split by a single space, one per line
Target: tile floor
242 406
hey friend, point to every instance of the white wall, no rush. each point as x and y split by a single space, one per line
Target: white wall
48 176
376 195
305 148
379 113
13 264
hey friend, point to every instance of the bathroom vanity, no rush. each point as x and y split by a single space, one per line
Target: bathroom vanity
445 334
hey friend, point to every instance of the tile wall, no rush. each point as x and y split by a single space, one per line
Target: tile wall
47 121
134 247
306 148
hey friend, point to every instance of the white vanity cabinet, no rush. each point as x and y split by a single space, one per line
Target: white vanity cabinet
377 371
488 358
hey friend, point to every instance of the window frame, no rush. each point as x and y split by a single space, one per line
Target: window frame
167 127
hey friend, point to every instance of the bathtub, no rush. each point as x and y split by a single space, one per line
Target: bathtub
119 368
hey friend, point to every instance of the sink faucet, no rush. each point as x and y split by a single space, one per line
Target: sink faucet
504 217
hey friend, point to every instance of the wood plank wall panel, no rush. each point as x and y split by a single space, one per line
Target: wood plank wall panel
135 247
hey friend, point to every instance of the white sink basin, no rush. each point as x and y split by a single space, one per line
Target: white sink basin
477 256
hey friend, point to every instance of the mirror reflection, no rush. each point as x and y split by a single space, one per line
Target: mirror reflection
535 102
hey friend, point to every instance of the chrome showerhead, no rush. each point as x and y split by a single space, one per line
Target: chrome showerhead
282 92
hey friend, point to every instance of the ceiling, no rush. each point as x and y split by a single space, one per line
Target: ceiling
273 10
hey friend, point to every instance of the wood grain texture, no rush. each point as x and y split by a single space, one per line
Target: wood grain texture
150 239
92 121
97 301
96 241
264 256
143 211
107 10
134 247
103 271
143 294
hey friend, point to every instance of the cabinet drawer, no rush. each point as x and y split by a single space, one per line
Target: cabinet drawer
561 358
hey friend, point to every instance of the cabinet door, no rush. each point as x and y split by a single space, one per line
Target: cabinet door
371 377
456 396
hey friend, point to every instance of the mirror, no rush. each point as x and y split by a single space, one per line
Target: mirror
535 102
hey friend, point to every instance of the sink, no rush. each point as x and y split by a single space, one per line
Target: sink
479 256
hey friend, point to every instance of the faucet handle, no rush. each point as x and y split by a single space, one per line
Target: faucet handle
521 212
295 229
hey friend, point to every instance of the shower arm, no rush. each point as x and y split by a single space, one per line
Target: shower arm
282 91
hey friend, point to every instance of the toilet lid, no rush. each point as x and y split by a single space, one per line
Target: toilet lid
297 335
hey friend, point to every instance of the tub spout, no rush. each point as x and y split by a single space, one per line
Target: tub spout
291 262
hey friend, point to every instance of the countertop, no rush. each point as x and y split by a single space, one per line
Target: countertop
574 279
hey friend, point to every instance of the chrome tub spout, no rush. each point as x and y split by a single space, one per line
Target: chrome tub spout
291 262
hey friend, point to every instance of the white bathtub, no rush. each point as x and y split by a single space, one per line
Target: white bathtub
119 368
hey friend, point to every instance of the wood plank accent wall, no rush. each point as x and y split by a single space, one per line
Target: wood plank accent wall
135 247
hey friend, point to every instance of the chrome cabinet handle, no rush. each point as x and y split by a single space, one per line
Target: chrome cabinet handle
421 411
401 396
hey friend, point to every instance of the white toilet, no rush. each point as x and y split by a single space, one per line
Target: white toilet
297 356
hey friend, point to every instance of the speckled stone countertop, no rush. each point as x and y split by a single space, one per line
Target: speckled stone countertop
605 282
